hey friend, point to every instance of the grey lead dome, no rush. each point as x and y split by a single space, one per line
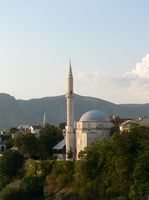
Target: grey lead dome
94 115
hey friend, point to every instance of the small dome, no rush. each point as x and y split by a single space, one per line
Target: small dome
94 115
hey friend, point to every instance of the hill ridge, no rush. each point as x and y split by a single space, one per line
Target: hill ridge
14 112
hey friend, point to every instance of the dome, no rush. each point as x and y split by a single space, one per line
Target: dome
94 115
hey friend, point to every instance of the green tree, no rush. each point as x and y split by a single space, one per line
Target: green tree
46 166
4 180
13 130
62 125
60 178
32 187
140 185
115 167
10 143
28 144
11 163
11 194
49 136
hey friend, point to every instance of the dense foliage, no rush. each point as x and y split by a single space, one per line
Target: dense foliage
28 144
117 168
114 169
10 163
39 147
49 136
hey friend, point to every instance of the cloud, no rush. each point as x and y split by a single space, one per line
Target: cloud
142 68
131 86
138 77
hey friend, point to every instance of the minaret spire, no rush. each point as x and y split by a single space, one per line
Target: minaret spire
70 69
70 138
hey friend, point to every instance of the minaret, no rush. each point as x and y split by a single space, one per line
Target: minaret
70 137
44 119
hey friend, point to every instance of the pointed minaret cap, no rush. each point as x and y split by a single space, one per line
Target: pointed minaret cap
70 69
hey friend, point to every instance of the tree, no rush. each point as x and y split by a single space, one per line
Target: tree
140 184
46 166
32 188
28 144
62 125
60 178
11 194
49 136
11 163
4 180
117 168
13 130
39 147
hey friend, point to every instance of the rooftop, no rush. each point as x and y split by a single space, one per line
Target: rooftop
94 115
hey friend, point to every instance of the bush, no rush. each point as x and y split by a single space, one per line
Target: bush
11 163
32 187
11 194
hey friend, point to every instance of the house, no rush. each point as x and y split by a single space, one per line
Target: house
141 121
21 129
35 129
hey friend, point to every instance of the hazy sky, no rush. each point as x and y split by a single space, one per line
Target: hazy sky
107 41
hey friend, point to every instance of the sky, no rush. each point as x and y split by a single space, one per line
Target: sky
106 40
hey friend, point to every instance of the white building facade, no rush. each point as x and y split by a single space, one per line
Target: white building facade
127 125
35 130
93 126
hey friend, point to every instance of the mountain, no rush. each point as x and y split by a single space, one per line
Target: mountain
15 112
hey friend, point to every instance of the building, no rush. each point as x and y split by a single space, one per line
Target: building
93 126
59 150
141 121
35 129
21 129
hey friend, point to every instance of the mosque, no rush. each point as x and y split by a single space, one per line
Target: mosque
93 126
